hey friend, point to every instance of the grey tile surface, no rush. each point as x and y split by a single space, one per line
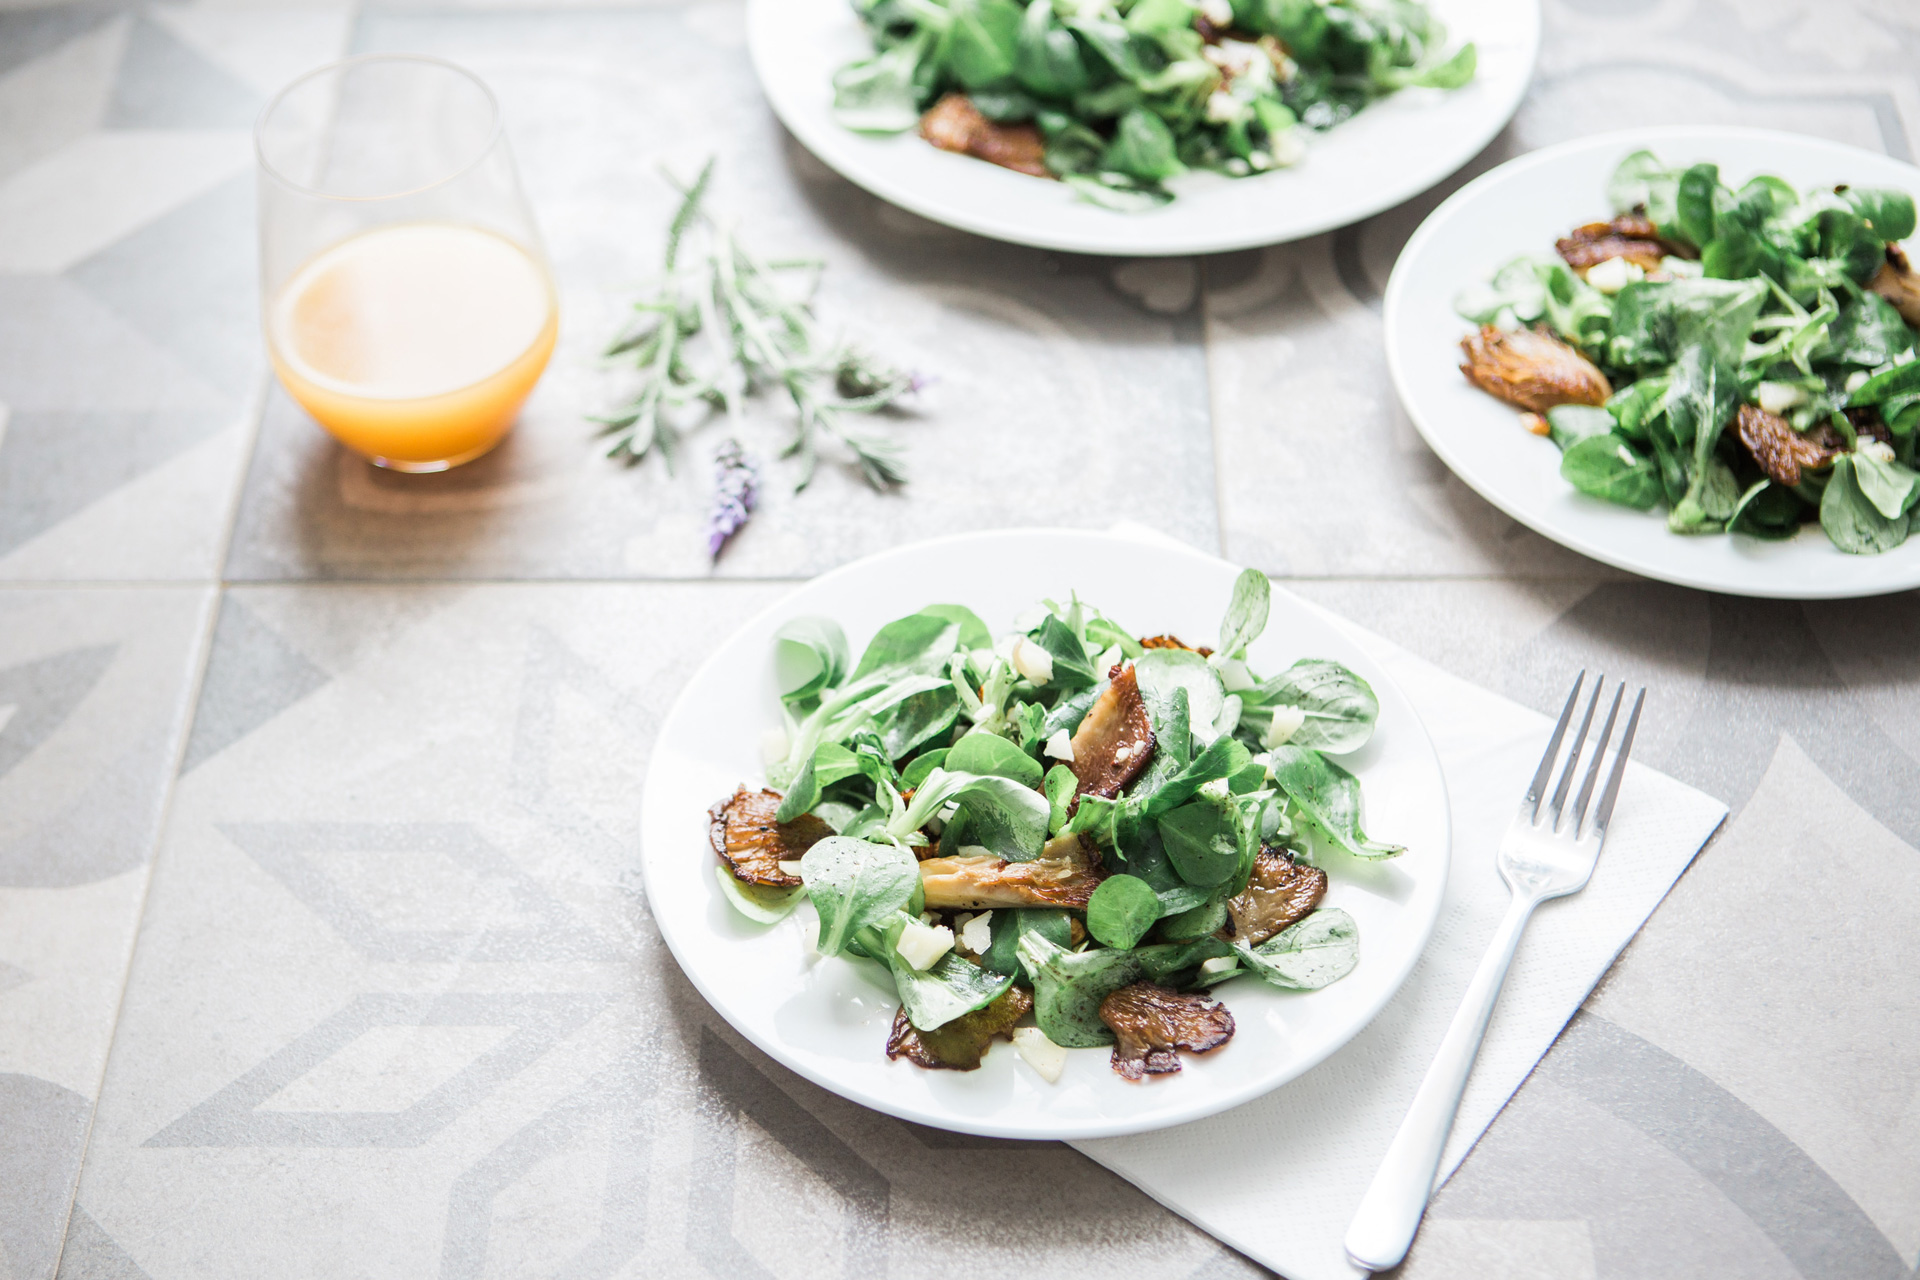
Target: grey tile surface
397 1007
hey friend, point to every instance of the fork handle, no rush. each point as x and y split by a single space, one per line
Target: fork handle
1389 1214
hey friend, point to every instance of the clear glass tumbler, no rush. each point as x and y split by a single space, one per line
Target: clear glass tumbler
408 302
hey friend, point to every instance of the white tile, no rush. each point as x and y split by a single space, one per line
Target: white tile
103 186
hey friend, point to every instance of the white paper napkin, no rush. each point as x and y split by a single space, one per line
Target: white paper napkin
1279 1178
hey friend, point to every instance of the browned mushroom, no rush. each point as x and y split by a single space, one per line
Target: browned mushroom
1150 1021
1279 893
1115 741
1172 642
744 834
959 1045
1630 236
1897 283
955 124
1530 369
1783 453
1064 875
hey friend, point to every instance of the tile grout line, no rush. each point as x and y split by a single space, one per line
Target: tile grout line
204 644
214 586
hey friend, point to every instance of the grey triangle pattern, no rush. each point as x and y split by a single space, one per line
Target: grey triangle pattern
92 1254
107 829
617 1102
188 282
230 1119
42 1130
44 693
26 34
12 975
293 852
165 85
253 675
55 463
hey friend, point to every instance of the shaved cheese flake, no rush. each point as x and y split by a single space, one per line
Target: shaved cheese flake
922 944
1043 1055
1059 747
976 935
1032 662
1286 723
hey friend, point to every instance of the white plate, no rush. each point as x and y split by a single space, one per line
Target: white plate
828 1018
1393 150
1522 207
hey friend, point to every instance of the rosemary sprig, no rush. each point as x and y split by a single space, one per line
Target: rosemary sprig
717 298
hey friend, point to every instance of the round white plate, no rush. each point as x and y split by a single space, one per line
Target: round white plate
1389 152
1522 207
828 1018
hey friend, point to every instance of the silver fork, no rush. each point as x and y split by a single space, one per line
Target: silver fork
1547 853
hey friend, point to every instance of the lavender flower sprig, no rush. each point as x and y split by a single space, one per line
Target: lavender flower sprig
719 297
734 491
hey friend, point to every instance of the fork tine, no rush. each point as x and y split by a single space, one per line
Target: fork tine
1599 755
1573 755
1538 786
1612 789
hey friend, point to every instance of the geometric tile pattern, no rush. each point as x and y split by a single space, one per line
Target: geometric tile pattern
396 1005
230 1118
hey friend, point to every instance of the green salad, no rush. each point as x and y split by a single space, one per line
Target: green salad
1742 357
1065 837
1117 96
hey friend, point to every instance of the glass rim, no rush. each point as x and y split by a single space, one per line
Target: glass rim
485 149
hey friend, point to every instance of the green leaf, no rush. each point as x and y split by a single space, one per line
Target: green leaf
1695 201
1568 424
1197 922
1068 987
1451 74
1608 467
1160 15
1143 148
921 765
1889 214
1327 797
973 632
988 753
1340 708
919 643
855 884
1306 956
948 988
759 903
1161 673
809 655
981 41
1889 486
1047 60
1222 758
1010 924
1868 332
1059 787
1121 911
1641 180
1071 669
917 719
1247 610
1203 840
1766 510
881 94
1000 814
1850 518
1633 405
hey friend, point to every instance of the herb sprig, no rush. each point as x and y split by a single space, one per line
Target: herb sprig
724 324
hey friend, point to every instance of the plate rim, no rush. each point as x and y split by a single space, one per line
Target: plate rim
1394 301
1070 1130
905 196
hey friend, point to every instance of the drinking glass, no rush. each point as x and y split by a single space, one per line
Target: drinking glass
408 303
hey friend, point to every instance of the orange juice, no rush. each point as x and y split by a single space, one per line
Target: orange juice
415 344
